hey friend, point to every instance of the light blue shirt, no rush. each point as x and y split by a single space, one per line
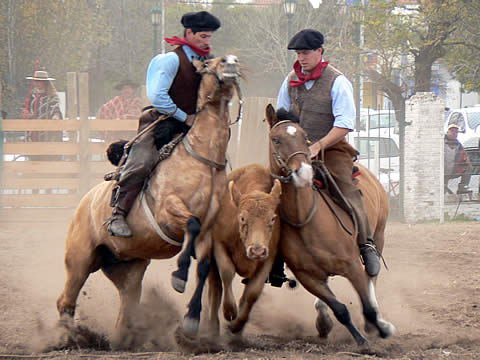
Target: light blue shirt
343 105
160 75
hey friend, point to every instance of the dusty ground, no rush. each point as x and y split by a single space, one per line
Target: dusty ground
431 293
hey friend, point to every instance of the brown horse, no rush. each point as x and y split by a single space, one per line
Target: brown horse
181 200
245 241
316 242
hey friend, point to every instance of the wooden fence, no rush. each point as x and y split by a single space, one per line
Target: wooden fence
31 181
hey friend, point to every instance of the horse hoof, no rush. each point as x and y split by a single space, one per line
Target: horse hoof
178 284
386 329
190 326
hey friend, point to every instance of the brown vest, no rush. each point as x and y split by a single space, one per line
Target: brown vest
315 105
185 86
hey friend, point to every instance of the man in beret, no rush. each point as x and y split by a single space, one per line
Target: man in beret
324 98
172 86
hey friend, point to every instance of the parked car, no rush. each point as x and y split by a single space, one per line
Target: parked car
378 119
381 154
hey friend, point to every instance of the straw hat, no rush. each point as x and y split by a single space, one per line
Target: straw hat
40 75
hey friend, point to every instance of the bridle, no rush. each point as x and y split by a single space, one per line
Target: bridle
287 178
220 83
281 163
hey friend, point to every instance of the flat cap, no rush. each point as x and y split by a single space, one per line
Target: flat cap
200 21
307 39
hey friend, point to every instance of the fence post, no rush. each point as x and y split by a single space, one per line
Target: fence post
72 96
84 132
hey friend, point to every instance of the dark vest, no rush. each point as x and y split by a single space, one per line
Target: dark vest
315 105
185 86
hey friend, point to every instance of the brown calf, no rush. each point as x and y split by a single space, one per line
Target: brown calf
245 241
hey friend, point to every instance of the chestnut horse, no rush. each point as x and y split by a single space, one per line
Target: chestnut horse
318 238
245 241
183 193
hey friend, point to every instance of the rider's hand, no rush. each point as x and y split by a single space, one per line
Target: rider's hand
190 119
315 149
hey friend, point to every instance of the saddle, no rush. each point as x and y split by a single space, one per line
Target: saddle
116 152
324 181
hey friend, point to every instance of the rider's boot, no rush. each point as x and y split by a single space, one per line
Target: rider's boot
368 250
123 201
277 275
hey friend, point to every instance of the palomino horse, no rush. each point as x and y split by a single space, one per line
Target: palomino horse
315 241
184 193
245 241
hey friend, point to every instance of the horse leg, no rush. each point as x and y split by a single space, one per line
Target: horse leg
214 299
323 323
250 296
203 249
320 289
127 277
180 276
79 263
365 288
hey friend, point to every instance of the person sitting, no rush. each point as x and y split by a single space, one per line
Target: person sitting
457 163
124 106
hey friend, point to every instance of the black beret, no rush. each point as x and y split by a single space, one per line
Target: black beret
200 21
306 39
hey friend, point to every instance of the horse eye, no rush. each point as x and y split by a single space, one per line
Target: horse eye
276 141
224 60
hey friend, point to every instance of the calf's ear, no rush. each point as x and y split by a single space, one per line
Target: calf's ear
276 190
234 193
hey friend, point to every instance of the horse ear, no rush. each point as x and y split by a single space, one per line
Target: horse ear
276 190
271 115
199 65
234 193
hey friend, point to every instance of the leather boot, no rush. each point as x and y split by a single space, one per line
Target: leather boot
368 250
277 275
123 202
370 258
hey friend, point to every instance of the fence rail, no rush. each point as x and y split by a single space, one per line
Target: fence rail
54 174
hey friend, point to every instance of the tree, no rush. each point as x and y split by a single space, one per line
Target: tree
59 34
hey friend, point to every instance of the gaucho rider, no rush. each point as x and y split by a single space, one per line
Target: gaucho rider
324 98
172 86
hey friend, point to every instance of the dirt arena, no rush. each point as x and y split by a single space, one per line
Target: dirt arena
431 293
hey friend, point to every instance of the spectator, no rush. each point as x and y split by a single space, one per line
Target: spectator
43 103
124 106
457 163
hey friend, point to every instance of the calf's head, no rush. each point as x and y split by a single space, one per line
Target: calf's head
256 217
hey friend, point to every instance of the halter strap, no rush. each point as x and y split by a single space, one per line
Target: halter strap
208 162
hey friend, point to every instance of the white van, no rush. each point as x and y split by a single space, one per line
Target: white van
468 122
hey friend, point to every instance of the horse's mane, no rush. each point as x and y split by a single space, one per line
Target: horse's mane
283 114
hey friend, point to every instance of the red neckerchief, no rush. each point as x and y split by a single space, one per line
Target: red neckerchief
303 78
177 41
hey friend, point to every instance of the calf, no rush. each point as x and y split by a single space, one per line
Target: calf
245 241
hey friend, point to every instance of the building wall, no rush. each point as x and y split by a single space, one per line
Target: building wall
424 157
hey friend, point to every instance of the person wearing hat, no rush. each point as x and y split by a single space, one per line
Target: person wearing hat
456 162
324 99
123 106
43 103
172 86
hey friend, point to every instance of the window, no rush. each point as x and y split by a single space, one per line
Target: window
366 146
457 119
473 119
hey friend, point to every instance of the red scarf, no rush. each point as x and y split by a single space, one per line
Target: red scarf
177 41
303 78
